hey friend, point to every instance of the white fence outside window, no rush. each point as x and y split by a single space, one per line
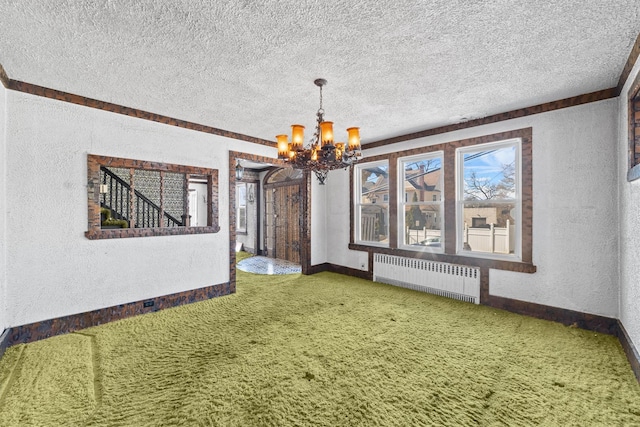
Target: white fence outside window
499 240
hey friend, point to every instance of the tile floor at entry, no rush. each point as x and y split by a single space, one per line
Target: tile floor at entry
264 265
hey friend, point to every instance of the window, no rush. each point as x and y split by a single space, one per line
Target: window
421 182
634 108
134 198
241 207
372 211
634 130
489 199
474 205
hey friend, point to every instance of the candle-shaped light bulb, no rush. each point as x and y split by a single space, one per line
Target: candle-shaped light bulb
326 133
283 146
297 137
354 139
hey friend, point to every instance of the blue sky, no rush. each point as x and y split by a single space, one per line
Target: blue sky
488 165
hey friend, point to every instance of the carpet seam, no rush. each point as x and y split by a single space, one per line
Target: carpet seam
97 388
10 381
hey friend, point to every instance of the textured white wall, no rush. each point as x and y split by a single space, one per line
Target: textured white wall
337 213
250 239
575 220
52 269
629 226
575 209
4 322
319 238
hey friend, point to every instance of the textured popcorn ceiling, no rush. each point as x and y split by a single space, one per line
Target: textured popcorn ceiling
248 66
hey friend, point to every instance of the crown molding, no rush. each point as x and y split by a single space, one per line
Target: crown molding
631 62
4 79
541 108
514 114
145 115
59 95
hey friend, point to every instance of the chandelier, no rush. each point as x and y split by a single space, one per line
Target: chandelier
322 154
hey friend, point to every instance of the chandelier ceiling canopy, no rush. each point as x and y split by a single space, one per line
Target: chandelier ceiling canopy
322 154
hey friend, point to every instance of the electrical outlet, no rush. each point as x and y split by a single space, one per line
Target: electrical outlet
362 265
147 304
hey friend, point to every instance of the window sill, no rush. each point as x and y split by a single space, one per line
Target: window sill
517 266
373 244
489 256
147 232
422 249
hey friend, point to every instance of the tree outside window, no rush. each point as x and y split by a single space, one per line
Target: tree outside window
372 202
422 193
489 198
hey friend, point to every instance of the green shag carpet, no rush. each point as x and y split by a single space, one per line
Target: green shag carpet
322 350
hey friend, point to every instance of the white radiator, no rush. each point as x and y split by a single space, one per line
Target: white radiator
449 280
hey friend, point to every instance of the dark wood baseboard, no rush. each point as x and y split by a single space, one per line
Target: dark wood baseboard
591 322
351 272
333 268
318 268
630 350
4 341
48 328
63 325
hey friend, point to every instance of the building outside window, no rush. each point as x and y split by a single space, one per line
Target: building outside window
371 203
421 190
488 208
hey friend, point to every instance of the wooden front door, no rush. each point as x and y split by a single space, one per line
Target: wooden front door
283 219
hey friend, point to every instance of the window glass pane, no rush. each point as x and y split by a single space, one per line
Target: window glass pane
242 194
374 223
421 195
422 180
372 202
241 207
489 199
375 184
242 218
423 225
489 227
490 174
285 174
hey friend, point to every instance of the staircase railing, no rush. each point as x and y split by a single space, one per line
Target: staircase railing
147 213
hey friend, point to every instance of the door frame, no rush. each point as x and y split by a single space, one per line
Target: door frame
305 190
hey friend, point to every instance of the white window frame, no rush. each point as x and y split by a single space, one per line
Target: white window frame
241 207
460 152
402 202
358 204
